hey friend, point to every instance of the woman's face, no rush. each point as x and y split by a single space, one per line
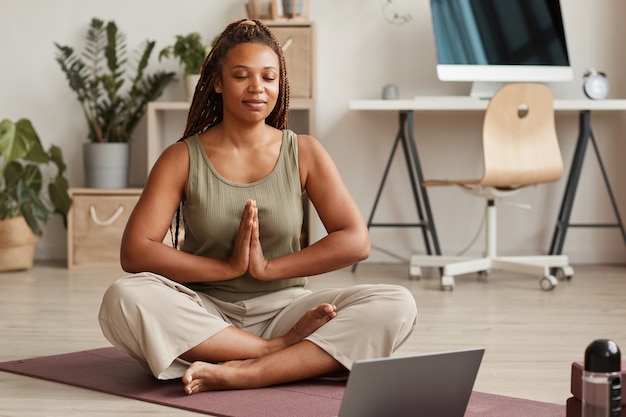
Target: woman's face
250 82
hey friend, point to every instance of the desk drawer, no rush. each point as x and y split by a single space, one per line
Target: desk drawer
95 226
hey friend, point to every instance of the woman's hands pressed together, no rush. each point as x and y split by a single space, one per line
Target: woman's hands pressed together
247 254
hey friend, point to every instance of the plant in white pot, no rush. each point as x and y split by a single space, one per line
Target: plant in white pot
191 52
24 201
114 91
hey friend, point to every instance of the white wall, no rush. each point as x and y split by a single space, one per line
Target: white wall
358 52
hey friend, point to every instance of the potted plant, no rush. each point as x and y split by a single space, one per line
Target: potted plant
24 201
191 53
114 91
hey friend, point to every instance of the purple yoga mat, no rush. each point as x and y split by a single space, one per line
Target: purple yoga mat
112 371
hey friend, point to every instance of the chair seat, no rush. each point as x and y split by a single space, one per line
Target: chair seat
437 183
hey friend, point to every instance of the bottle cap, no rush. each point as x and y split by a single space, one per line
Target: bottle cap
602 355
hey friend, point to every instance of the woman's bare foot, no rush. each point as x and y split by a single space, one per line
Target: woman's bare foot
203 376
310 322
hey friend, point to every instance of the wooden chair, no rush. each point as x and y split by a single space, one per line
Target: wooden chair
520 148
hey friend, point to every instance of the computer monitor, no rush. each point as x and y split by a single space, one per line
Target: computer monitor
491 42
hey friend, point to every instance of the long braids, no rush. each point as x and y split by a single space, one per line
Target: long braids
206 108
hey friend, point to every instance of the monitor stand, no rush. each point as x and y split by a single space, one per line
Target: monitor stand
484 89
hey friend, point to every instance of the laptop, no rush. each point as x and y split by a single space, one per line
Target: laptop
429 385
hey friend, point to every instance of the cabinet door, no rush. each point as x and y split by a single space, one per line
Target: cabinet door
297 42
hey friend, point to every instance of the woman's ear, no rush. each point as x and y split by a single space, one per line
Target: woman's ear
218 86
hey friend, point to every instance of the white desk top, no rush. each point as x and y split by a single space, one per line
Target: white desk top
451 103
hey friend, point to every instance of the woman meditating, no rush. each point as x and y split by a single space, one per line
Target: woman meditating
230 309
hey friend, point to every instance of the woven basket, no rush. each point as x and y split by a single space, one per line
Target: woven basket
17 245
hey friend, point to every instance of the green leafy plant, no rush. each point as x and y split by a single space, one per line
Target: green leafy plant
113 89
189 50
22 193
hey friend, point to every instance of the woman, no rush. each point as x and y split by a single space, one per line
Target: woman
230 309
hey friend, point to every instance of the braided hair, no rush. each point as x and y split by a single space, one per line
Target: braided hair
206 107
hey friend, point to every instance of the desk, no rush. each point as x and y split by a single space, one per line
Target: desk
405 137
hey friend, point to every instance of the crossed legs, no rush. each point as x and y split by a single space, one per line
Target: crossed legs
313 334
253 362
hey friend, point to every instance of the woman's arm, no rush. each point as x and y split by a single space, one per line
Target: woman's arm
142 248
347 241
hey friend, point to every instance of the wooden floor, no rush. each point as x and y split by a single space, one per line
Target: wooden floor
531 336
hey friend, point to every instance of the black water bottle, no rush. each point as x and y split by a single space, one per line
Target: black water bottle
602 385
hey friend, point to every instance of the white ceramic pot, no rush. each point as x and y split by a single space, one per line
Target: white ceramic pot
106 164
293 7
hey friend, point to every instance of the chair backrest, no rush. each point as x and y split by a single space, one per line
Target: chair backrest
520 145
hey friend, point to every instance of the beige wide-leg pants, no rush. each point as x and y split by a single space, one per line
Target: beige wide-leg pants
156 320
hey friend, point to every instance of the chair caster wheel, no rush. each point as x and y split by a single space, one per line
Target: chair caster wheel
548 282
415 273
447 283
565 273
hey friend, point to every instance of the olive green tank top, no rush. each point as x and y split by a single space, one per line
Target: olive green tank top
212 213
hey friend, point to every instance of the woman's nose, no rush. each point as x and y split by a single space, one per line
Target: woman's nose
255 84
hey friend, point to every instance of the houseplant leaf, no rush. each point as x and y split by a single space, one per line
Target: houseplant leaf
22 189
19 140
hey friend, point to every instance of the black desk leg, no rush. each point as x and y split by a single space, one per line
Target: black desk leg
370 220
430 223
563 221
409 149
584 132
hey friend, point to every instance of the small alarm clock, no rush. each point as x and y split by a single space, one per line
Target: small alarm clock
595 85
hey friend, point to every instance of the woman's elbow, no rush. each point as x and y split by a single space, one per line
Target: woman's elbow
362 246
128 258
126 262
